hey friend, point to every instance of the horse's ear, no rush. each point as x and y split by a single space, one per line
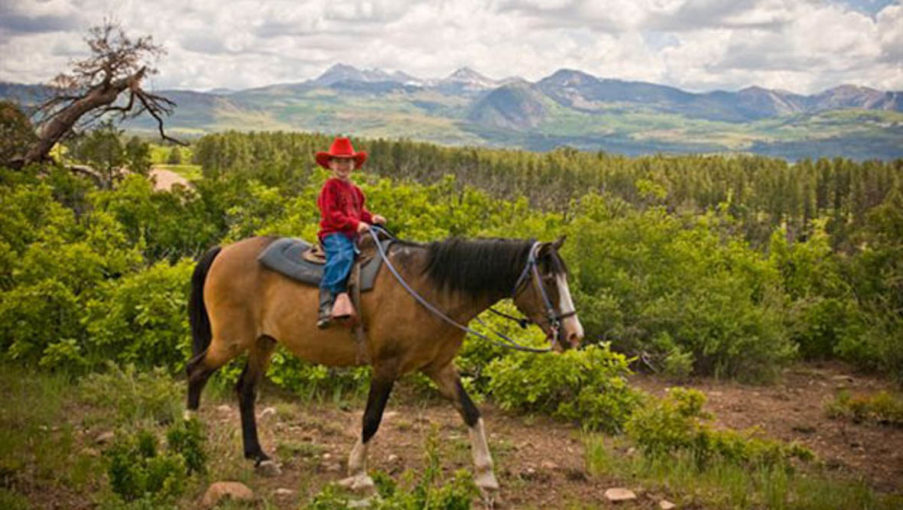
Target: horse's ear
557 244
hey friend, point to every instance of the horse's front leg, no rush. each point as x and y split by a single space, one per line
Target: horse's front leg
380 387
449 383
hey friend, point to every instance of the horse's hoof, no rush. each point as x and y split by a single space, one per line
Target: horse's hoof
488 485
361 484
268 468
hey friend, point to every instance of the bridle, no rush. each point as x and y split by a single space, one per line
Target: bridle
532 269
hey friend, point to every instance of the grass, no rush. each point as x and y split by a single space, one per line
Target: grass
723 484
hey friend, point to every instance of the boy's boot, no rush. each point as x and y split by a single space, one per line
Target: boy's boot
325 313
343 309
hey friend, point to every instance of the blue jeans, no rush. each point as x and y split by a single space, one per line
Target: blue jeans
339 257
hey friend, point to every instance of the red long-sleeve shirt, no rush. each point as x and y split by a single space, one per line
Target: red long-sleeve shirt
341 208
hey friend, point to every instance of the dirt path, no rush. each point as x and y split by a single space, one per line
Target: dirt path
164 179
794 409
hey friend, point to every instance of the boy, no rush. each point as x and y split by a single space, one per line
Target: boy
343 217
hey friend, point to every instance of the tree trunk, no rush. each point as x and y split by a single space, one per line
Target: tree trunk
62 122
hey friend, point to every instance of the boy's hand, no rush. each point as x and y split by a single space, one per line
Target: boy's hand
379 219
363 227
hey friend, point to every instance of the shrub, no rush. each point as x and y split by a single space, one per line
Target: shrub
187 437
141 318
640 277
313 381
138 471
882 408
677 423
586 386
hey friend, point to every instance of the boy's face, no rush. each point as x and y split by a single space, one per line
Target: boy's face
341 167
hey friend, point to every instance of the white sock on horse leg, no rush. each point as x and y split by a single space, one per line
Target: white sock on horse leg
357 459
482 459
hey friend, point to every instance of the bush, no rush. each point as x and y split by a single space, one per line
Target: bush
677 423
138 471
587 386
660 285
313 381
882 408
141 318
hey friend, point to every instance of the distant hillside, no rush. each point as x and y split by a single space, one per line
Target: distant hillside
569 107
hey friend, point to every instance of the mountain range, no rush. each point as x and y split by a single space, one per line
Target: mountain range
568 107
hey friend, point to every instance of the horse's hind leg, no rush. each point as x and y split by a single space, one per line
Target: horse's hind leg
258 360
199 370
449 383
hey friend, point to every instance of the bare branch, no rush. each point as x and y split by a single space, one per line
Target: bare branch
151 103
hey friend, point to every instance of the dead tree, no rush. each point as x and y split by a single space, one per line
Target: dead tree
91 90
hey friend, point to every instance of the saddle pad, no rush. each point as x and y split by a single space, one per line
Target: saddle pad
284 256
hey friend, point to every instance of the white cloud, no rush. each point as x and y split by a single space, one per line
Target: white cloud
800 45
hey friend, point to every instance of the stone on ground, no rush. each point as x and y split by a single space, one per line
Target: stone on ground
666 505
617 494
282 492
105 437
219 491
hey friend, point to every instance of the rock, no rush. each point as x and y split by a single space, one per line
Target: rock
666 505
631 451
269 411
105 437
283 493
327 456
218 491
619 494
392 459
223 409
548 464
334 467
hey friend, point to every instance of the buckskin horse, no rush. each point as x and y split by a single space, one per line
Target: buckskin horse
238 306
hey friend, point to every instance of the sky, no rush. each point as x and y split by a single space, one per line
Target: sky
803 46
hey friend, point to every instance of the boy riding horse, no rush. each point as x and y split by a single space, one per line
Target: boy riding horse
343 216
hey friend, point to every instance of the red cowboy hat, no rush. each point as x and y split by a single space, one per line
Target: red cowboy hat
341 148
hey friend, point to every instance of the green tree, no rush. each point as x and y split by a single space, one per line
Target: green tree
103 151
175 157
137 155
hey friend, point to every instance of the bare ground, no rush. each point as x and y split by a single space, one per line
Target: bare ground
539 462
794 410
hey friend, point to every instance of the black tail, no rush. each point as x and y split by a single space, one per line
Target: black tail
197 312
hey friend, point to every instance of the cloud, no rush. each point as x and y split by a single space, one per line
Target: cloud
800 45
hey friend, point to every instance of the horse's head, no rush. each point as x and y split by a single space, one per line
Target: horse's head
541 293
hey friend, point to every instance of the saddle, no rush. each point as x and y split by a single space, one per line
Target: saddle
303 261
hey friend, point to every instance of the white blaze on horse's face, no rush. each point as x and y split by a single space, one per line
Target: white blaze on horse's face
572 330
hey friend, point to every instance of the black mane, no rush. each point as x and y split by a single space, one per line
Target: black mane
477 266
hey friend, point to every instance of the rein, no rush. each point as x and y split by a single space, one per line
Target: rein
508 342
